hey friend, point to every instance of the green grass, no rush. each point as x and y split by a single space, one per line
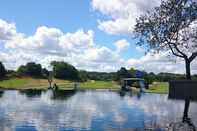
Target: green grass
30 83
99 85
13 83
159 87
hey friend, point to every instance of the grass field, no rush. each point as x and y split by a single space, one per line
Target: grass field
30 83
99 85
159 87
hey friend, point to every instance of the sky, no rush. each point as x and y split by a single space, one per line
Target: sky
93 35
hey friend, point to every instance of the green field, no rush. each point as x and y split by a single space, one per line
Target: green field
99 85
30 83
159 87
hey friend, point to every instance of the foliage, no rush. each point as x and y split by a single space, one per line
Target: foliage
45 73
101 76
30 69
171 27
2 70
123 73
63 70
83 76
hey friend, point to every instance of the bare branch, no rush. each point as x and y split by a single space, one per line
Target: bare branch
193 56
174 52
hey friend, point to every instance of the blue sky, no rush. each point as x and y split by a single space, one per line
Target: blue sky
93 35
65 15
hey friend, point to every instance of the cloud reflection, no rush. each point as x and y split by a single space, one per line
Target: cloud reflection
88 111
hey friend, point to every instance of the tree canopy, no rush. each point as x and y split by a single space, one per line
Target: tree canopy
63 70
171 27
30 69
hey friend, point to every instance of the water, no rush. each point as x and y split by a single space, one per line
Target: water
88 110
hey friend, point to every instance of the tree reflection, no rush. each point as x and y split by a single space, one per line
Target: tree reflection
62 94
1 93
186 119
186 124
31 93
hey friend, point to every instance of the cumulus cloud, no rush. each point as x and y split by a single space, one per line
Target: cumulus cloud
161 62
48 44
7 30
121 14
121 45
78 48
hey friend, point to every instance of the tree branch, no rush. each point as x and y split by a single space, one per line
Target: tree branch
174 52
193 56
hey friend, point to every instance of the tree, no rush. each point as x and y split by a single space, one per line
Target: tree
31 69
171 27
2 70
123 73
132 72
63 70
45 73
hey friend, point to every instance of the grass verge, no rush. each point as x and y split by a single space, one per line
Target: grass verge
31 83
159 88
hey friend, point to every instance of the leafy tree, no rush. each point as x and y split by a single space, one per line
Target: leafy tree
171 27
83 75
101 76
31 69
2 70
132 72
63 70
45 72
123 73
22 70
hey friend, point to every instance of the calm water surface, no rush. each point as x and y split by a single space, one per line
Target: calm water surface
88 110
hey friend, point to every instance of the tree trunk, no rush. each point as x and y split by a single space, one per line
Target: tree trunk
188 71
187 100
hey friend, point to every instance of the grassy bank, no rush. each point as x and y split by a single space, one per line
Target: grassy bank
28 83
31 83
159 87
99 85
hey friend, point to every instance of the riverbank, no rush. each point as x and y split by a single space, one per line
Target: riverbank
32 83
159 88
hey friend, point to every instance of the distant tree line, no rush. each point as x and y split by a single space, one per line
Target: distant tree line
66 71
149 77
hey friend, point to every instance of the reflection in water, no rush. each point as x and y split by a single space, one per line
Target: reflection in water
98 111
62 94
1 93
186 124
31 92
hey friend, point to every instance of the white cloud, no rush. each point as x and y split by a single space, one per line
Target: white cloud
161 62
7 30
121 45
48 44
122 14
77 48
140 49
